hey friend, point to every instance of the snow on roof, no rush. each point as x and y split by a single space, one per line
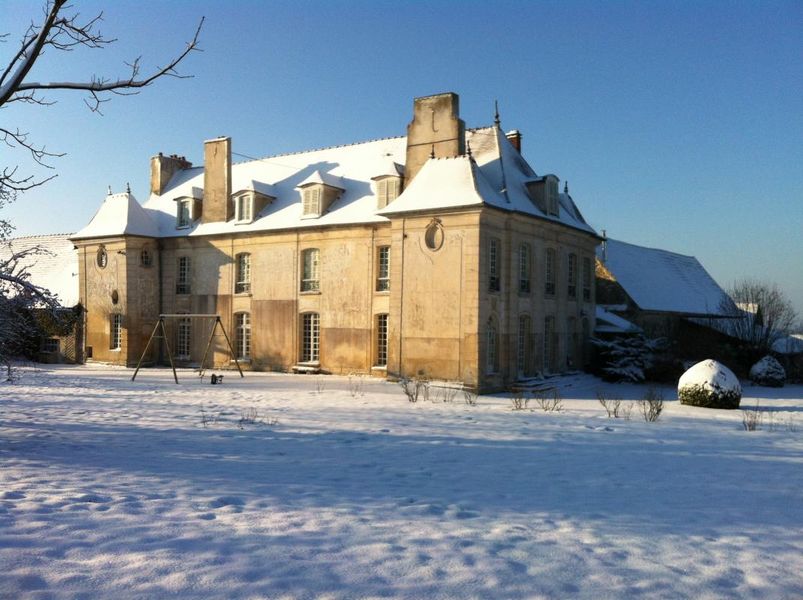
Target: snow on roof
658 280
55 269
607 322
789 344
121 214
442 183
496 178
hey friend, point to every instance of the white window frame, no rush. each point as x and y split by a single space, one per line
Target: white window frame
183 268
312 199
381 340
242 273
311 270
571 276
387 190
116 332
549 272
184 338
525 260
183 213
242 327
244 208
383 269
494 257
310 337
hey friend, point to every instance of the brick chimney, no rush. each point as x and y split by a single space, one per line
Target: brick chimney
163 168
514 137
436 127
217 203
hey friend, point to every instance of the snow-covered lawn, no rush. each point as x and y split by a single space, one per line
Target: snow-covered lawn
116 489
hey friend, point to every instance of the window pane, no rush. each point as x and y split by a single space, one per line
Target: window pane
381 340
383 269
310 271
243 335
242 284
310 337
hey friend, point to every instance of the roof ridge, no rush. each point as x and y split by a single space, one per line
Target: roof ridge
296 153
42 235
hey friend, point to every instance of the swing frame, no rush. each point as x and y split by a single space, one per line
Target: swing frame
160 325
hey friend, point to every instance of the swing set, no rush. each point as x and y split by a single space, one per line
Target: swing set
160 327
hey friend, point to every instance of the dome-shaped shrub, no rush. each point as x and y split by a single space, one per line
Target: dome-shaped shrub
711 385
769 372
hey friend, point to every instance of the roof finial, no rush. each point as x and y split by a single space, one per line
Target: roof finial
127 188
468 148
566 187
432 153
109 193
497 122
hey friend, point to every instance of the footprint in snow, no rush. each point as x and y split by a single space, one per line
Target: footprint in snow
226 501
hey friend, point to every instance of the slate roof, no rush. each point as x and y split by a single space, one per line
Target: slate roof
55 268
121 214
662 281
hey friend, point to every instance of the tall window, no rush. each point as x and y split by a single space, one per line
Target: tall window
243 208
145 258
310 337
494 280
587 279
381 340
311 201
492 348
183 337
183 275
549 343
524 268
183 213
116 333
571 275
242 327
571 342
549 272
383 269
523 346
242 285
310 270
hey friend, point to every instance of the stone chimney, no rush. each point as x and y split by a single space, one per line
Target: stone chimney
163 168
514 137
436 127
217 203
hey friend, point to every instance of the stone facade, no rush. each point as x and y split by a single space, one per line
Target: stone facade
404 289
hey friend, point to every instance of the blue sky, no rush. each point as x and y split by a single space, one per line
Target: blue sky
678 125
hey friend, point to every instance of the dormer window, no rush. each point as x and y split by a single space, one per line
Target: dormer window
312 201
318 192
244 208
387 190
552 196
183 212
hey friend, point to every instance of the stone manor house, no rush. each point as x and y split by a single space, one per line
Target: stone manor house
440 253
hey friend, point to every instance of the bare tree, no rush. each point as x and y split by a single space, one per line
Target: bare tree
762 314
62 29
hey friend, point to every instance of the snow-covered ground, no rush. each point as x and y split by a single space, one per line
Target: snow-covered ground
116 489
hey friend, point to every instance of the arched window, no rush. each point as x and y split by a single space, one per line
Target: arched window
310 270
242 283
242 336
571 276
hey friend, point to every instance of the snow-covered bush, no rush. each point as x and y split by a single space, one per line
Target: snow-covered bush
768 372
628 358
711 385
